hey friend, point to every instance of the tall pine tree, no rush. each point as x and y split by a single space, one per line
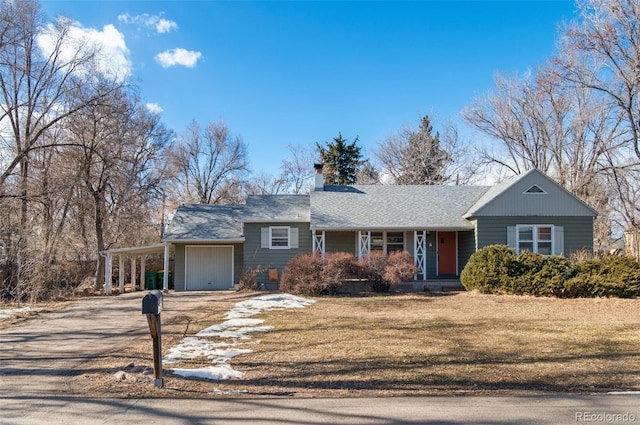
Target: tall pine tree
341 160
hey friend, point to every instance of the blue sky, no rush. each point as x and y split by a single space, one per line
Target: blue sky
299 72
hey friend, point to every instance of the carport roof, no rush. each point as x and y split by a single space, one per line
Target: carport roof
139 250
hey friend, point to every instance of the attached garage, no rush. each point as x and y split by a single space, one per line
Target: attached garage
208 268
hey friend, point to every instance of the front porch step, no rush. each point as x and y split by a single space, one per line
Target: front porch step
430 285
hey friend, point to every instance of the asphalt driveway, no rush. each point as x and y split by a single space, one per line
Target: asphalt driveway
38 356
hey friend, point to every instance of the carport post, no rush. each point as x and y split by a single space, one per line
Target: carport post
121 274
143 260
133 272
165 275
108 269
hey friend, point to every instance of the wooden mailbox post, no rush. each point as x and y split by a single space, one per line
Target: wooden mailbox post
152 307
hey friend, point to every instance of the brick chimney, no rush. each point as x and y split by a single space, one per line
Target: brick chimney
319 177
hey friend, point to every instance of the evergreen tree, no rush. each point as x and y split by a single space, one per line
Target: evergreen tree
341 160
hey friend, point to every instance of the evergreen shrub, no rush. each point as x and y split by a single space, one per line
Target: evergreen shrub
489 270
497 269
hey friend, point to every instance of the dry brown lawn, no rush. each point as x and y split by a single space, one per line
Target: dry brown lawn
416 344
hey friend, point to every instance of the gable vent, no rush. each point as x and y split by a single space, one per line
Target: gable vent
535 189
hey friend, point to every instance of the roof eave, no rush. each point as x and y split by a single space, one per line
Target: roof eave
201 241
404 229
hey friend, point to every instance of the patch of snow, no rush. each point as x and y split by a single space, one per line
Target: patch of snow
624 393
270 302
238 326
192 348
218 372
240 333
231 323
6 313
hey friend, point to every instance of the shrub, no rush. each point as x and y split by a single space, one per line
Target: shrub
308 274
249 279
383 271
550 279
303 276
373 265
496 269
400 268
488 269
339 266
610 277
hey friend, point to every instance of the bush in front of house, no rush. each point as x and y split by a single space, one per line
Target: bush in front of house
309 274
303 276
383 271
400 268
489 270
535 274
249 279
609 277
497 269
373 266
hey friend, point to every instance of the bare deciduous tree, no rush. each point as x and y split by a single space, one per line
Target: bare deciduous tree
601 53
206 161
115 147
417 156
38 90
297 169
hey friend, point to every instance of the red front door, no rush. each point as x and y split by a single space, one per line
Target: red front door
447 253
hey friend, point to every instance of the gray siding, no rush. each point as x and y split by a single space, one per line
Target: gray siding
466 247
255 256
578 231
180 264
341 242
513 201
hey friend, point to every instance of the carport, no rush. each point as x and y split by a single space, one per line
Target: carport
135 254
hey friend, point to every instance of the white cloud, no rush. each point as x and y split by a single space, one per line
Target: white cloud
112 53
179 56
156 22
154 108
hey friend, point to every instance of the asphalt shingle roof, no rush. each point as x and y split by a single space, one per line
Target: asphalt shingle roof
277 208
203 222
393 207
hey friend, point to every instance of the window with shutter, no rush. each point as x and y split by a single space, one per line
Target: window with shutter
535 238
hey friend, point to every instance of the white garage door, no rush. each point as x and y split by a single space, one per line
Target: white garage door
209 268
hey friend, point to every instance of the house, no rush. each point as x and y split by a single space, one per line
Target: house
441 226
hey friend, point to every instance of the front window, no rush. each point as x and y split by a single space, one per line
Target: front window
387 242
279 237
395 242
535 238
377 241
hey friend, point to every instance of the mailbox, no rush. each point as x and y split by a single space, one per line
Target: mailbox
152 302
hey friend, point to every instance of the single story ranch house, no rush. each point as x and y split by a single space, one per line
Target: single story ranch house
440 226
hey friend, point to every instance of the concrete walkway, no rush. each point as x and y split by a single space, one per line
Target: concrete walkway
37 357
